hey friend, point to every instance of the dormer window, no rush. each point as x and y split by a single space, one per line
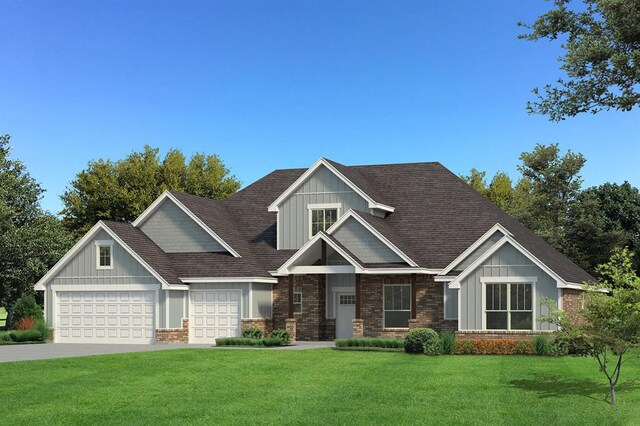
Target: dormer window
104 254
322 216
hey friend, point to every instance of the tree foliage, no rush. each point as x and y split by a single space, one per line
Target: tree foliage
601 43
31 240
121 190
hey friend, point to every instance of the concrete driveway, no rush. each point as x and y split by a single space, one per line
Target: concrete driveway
10 353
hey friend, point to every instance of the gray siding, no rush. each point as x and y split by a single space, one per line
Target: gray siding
474 255
175 232
334 281
81 269
364 245
261 297
321 187
506 262
176 308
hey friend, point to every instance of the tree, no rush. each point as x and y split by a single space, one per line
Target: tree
501 191
31 240
601 59
610 320
121 190
477 180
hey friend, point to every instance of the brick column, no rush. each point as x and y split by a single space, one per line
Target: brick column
291 327
358 328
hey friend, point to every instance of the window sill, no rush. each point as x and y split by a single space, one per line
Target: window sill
396 329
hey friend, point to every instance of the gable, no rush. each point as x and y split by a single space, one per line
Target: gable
81 268
175 232
363 244
479 251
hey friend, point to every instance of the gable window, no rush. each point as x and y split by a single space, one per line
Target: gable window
509 306
104 254
297 302
397 306
322 216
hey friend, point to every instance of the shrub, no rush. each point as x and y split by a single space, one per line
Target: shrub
26 323
573 344
271 341
4 337
465 347
368 342
43 329
26 306
252 333
420 340
238 341
25 336
558 348
447 343
541 345
494 347
523 347
282 335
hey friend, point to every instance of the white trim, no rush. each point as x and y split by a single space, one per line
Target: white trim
384 327
353 214
104 243
216 280
495 228
104 288
166 308
275 206
40 285
156 308
446 279
166 194
508 280
445 287
504 240
319 269
322 206
369 271
560 304
574 286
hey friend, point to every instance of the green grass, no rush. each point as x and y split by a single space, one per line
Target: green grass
202 386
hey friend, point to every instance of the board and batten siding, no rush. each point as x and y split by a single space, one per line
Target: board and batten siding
321 187
334 282
82 268
506 262
175 232
256 299
479 251
363 244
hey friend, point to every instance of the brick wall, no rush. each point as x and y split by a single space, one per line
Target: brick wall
311 322
266 325
572 301
174 335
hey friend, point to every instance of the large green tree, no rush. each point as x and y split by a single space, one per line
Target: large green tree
121 190
31 240
601 43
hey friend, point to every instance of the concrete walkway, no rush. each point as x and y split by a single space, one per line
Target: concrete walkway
10 353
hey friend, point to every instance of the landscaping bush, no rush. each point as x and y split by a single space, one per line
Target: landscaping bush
447 343
4 337
21 336
238 341
43 329
282 335
368 342
572 344
26 306
541 345
252 333
421 340
494 347
271 341
558 348
26 323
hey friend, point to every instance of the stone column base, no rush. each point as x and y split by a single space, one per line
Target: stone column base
413 323
358 328
174 335
291 325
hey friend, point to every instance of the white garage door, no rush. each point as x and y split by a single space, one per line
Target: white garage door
213 314
105 316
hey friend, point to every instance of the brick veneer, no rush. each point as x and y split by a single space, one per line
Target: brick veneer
266 325
311 322
572 301
174 335
358 328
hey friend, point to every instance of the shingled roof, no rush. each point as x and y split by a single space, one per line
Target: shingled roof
437 216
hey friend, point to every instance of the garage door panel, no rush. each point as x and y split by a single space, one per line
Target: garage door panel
105 317
214 314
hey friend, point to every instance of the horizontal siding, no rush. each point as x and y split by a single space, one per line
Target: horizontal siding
363 244
175 232
506 262
82 268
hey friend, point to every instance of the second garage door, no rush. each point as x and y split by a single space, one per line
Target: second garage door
213 314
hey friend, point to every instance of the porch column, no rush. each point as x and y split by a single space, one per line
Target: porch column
358 296
358 322
291 323
413 296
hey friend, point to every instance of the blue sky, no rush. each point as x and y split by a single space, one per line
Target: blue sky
274 84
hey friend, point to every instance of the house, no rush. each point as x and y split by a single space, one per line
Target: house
325 252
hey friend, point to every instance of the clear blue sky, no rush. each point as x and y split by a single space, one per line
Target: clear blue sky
274 84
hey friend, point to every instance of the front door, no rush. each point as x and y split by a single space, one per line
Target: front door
345 314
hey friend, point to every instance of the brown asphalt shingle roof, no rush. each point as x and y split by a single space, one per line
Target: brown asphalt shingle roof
437 216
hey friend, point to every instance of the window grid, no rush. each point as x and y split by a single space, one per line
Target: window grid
322 219
509 299
297 302
396 305
104 256
347 299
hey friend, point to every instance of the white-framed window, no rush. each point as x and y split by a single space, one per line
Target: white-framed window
396 305
297 302
322 216
450 302
104 254
509 306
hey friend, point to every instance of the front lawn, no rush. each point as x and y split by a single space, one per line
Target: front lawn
315 386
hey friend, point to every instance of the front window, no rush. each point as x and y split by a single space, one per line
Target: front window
322 219
397 306
509 306
104 256
297 302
